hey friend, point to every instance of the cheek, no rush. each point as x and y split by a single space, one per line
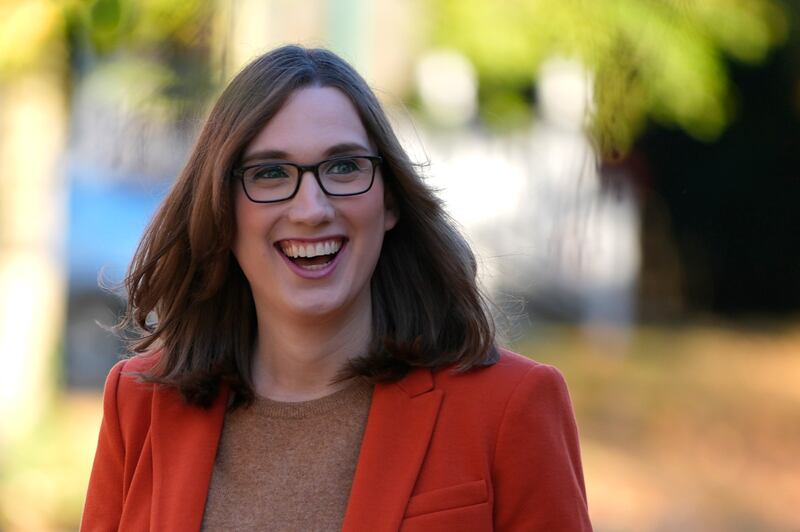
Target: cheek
382 213
239 221
247 226
375 220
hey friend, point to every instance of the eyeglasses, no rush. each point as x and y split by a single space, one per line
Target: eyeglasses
280 181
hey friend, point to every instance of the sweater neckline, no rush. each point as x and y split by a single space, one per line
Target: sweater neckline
359 388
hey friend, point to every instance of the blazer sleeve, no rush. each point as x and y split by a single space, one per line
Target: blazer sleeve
538 479
103 507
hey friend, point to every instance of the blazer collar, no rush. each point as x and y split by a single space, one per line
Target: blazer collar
399 427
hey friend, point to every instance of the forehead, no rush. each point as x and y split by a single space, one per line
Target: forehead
312 120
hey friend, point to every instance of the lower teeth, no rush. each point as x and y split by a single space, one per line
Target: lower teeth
314 263
314 266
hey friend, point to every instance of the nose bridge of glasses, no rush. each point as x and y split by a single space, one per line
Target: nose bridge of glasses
310 205
314 181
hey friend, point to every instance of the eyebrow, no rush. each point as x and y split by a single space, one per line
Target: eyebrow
344 148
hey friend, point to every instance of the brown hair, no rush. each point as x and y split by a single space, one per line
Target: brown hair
188 298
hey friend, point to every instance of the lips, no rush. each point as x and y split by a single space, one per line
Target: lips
311 255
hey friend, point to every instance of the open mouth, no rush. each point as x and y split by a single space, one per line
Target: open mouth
311 255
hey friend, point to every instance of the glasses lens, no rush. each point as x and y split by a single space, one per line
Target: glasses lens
270 182
346 175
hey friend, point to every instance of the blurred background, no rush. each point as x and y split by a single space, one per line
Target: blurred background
627 170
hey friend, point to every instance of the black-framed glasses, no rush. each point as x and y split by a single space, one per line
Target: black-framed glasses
279 181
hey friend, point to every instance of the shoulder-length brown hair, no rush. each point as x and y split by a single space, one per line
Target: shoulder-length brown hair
188 298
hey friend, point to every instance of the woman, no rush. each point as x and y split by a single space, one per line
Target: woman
315 354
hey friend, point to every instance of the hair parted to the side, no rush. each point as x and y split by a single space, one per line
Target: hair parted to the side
189 301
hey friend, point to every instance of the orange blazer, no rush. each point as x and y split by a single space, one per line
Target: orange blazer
491 449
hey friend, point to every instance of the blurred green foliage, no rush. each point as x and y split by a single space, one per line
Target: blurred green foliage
113 23
162 45
663 60
659 59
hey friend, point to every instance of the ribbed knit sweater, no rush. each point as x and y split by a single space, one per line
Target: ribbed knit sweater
288 466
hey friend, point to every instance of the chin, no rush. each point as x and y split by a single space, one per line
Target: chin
315 310
320 307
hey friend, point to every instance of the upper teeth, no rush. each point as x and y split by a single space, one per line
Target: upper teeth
296 249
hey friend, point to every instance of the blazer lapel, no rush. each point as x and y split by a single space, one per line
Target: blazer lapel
184 441
399 427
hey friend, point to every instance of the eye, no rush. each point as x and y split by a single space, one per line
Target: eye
267 171
343 166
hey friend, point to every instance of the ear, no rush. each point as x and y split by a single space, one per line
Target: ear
391 214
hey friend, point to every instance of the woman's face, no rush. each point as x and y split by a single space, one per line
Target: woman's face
341 237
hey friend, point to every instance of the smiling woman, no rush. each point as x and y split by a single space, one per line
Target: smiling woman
314 353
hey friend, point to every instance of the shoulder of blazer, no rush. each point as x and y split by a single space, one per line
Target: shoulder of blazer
484 395
140 403
134 398
131 387
500 378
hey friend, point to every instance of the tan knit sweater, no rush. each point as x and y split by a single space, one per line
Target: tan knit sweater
288 466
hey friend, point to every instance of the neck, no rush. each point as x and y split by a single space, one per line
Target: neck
297 357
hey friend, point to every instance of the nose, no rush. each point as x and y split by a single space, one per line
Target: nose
310 206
